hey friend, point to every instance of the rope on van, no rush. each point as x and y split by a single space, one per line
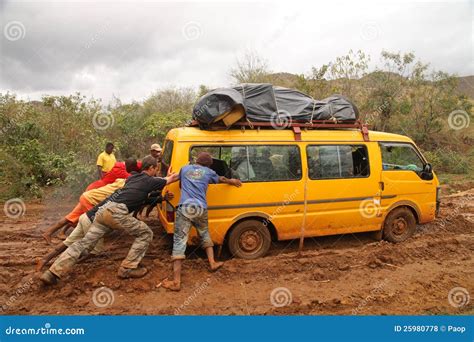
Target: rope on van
274 99
312 112
331 113
250 122
246 118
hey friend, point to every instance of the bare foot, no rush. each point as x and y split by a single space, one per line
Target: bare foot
39 264
61 235
171 285
47 237
216 265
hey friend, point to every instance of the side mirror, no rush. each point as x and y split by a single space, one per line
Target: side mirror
427 173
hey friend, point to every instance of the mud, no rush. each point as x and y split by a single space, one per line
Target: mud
345 274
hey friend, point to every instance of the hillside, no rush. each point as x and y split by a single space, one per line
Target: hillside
465 83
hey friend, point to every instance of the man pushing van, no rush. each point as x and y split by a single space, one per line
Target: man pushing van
192 211
116 215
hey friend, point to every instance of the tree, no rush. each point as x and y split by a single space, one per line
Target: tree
250 69
386 86
170 99
346 71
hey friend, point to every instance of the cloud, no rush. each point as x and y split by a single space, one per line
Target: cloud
129 49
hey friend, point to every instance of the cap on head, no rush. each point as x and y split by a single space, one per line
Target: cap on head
204 159
156 147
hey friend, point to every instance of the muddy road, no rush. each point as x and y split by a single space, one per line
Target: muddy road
346 274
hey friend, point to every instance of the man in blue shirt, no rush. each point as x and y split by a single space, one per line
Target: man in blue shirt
192 211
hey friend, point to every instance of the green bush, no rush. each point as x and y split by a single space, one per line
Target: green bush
448 161
54 143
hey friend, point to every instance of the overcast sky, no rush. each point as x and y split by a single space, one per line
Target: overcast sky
128 49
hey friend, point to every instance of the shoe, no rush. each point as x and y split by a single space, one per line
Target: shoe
49 278
125 273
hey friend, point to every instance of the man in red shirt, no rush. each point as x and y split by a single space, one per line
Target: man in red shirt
120 170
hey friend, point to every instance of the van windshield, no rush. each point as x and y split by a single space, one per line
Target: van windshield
399 156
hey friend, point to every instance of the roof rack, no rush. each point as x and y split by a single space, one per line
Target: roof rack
295 126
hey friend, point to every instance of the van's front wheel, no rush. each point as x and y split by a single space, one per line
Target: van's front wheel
399 225
250 239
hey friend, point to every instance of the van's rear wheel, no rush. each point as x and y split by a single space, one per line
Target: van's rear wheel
399 225
250 239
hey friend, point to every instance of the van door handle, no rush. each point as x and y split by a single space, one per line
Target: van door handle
382 186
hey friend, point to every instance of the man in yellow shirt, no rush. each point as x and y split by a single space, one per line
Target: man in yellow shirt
86 202
106 160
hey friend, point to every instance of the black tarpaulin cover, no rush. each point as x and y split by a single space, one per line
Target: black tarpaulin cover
263 102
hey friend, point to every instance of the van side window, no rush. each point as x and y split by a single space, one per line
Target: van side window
254 163
400 156
337 161
213 150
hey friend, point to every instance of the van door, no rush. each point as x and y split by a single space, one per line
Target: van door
272 186
401 179
343 188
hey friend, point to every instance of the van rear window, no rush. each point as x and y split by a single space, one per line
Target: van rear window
168 151
337 161
254 163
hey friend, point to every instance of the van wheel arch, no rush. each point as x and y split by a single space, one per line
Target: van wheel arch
414 209
269 224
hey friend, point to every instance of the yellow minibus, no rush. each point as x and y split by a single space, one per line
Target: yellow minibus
321 182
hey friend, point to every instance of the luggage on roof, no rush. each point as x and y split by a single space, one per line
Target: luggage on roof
263 102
